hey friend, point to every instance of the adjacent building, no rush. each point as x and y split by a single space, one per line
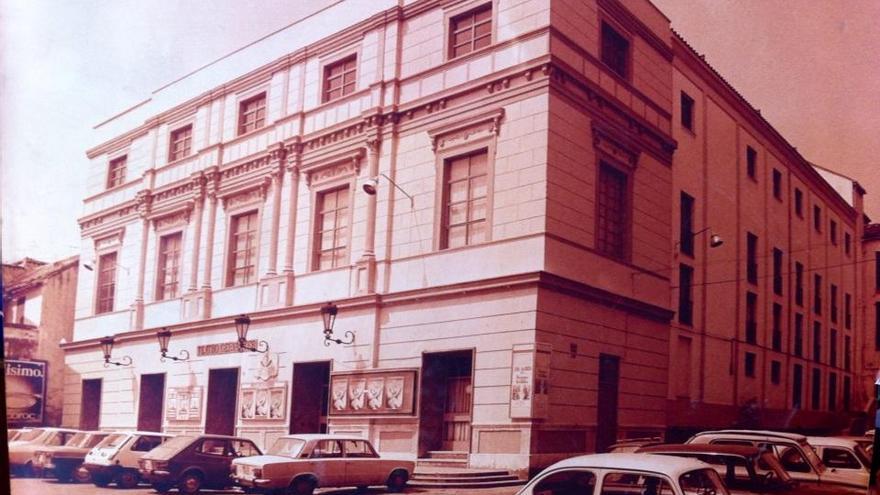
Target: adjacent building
490 195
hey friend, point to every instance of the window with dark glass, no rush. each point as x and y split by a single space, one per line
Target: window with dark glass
799 283
180 144
847 350
777 184
252 114
331 229
685 301
752 258
612 212
340 78
832 232
817 294
106 283
241 268
817 218
615 51
116 171
750 364
817 341
799 335
777 327
847 311
798 202
797 386
817 389
687 111
777 271
847 394
465 196
686 231
751 318
832 391
832 348
752 162
169 266
847 243
775 372
833 297
470 31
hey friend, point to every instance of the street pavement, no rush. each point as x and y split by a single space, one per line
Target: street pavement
33 486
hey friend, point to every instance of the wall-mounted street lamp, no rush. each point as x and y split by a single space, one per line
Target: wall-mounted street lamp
164 337
242 323
107 349
328 313
372 184
715 240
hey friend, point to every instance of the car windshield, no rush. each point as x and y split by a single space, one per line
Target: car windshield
92 441
289 447
113 441
172 446
702 482
27 436
76 440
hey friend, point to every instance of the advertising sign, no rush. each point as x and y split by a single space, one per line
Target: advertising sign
378 392
530 381
25 392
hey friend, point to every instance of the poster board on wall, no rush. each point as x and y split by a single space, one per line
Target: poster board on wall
184 404
25 391
374 392
261 402
530 381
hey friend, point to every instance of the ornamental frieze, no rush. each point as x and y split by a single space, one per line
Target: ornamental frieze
173 220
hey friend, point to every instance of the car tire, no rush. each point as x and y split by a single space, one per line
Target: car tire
190 483
128 478
302 486
162 487
100 480
397 481
81 474
63 475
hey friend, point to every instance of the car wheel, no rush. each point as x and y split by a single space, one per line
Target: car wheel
397 481
302 486
162 487
100 480
63 475
128 478
81 474
190 483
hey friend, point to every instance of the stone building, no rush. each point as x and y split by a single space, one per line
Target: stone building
38 307
487 191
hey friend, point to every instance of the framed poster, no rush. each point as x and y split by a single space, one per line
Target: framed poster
259 402
375 392
184 404
25 392
530 381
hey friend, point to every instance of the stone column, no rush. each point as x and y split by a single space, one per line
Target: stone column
294 154
369 253
144 201
276 164
211 193
198 206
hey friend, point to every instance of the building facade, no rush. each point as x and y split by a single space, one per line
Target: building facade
489 193
38 310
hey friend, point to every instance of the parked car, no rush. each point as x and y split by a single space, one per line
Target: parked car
115 459
626 474
795 453
843 455
23 448
301 463
633 444
65 461
194 462
14 432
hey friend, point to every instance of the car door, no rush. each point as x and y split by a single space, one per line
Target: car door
212 455
362 465
328 462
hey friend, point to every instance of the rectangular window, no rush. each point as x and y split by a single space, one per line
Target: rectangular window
797 386
799 335
752 162
847 395
106 283
19 310
615 51
470 31
750 364
340 78
847 350
465 200
777 184
686 231
832 349
687 111
331 229
847 243
777 327
817 218
798 202
116 171
817 389
751 318
169 266
817 341
799 284
612 212
252 114
817 294
752 258
777 271
775 372
832 391
180 144
685 301
847 311
241 269
833 297
832 232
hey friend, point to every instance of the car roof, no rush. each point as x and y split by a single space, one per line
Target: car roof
323 436
138 432
701 448
672 466
761 433
833 441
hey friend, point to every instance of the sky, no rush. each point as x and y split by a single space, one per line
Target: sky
810 66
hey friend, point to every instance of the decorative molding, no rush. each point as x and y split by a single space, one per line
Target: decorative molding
173 220
615 145
482 126
251 196
93 222
109 241
340 165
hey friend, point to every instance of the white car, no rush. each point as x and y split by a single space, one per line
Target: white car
301 463
844 455
797 456
626 474
115 459
25 446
